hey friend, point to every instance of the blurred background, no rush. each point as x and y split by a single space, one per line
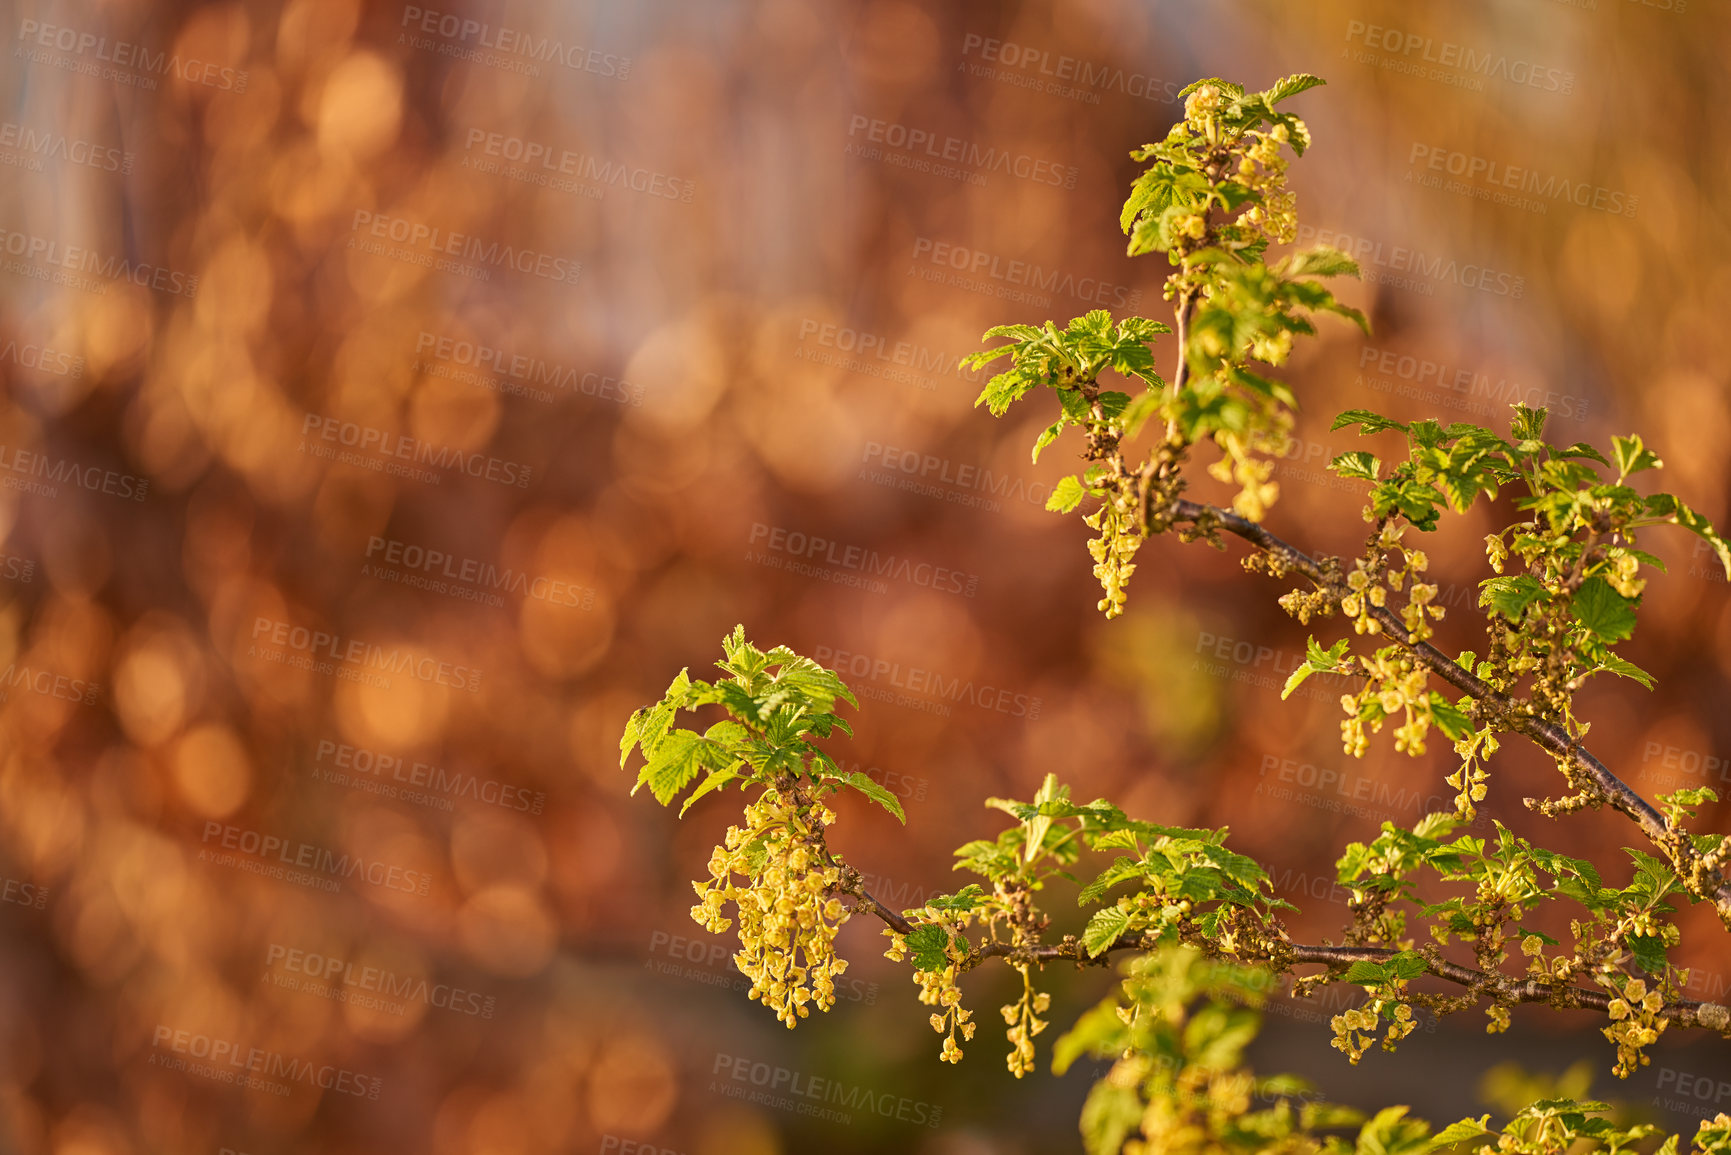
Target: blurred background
395 397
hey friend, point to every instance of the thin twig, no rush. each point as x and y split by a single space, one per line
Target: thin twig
1547 735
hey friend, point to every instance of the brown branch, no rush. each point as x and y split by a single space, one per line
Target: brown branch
1499 987
1500 707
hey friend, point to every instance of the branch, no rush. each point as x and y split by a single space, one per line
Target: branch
1503 988
1549 737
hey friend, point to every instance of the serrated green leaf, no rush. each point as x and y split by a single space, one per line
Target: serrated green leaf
1320 261
1510 595
1461 1132
1103 930
677 760
1627 669
1292 86
1649 952
1633 456
1357 464
927 945
1607 614
866 785
1367 421
1047 436
1066 495
1365 972
716 780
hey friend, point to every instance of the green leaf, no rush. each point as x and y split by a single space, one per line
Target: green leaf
1632 456
1450 718
871 789
1365 972
1359 464
676 761
1649 952
1316 661
1047 436
1606 613
1368 422
1666 506
1321 261
1109 1116
1292 86
1461 1132
927 945
1511 595
966 898
716 780
1626 669
1527 424
1392 1133
1103 930
1066 495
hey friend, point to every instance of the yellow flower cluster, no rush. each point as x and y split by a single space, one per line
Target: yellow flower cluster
787 922
1113 551
1635 1024
939 989
1263 170
1022 1016
1355 1030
